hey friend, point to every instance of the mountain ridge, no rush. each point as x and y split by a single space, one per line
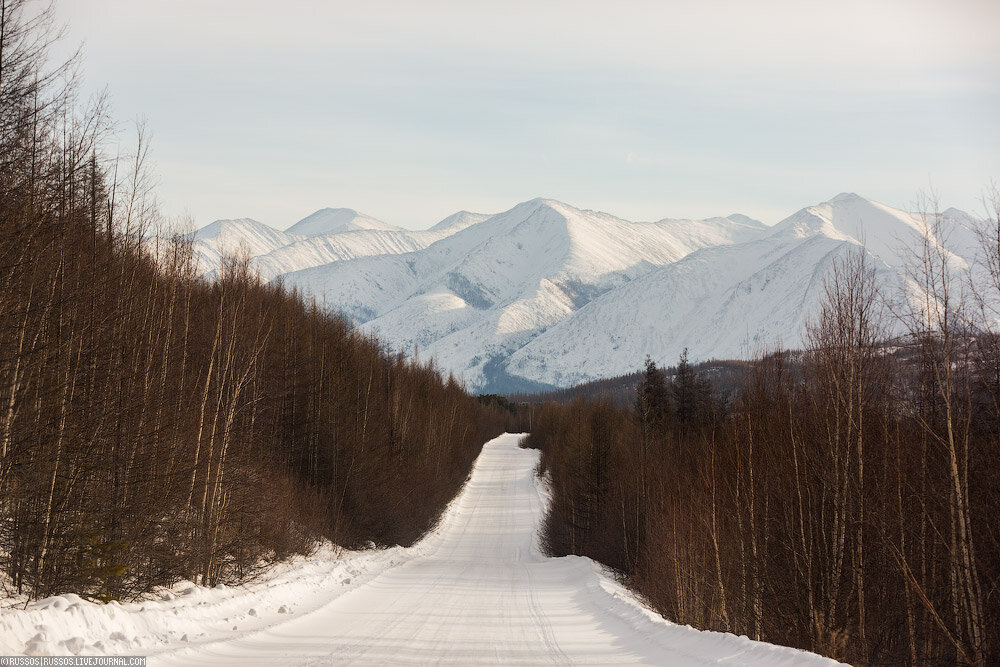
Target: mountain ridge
335 220
546 294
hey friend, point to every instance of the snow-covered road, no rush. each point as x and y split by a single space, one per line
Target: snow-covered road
477 590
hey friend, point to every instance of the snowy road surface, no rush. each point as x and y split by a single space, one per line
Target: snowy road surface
475 591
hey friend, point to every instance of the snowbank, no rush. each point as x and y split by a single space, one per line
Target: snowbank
188 614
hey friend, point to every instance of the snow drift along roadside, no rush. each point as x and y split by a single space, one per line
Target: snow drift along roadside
186 613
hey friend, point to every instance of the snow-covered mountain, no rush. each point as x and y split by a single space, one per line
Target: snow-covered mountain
229 237
328 235
327 248
729 301
546 294
472 299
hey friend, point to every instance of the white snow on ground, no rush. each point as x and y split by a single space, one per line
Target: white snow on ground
188 614
477 590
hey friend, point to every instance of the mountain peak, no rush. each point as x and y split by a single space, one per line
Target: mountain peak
561 208
459 221
229 226
532 207
741 219
336 220
883 230
548 202
847 197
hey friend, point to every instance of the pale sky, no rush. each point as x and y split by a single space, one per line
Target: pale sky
411 110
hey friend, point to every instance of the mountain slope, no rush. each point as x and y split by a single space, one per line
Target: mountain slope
727 302
327 248
227 237
475 297
719 302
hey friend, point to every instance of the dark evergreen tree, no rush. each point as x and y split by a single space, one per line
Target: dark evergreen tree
692 396
653 400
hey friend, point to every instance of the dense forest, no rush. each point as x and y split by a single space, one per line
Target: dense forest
844 501
156 427
724 374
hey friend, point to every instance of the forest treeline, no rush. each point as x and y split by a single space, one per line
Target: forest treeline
845 501
725 376
157 427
